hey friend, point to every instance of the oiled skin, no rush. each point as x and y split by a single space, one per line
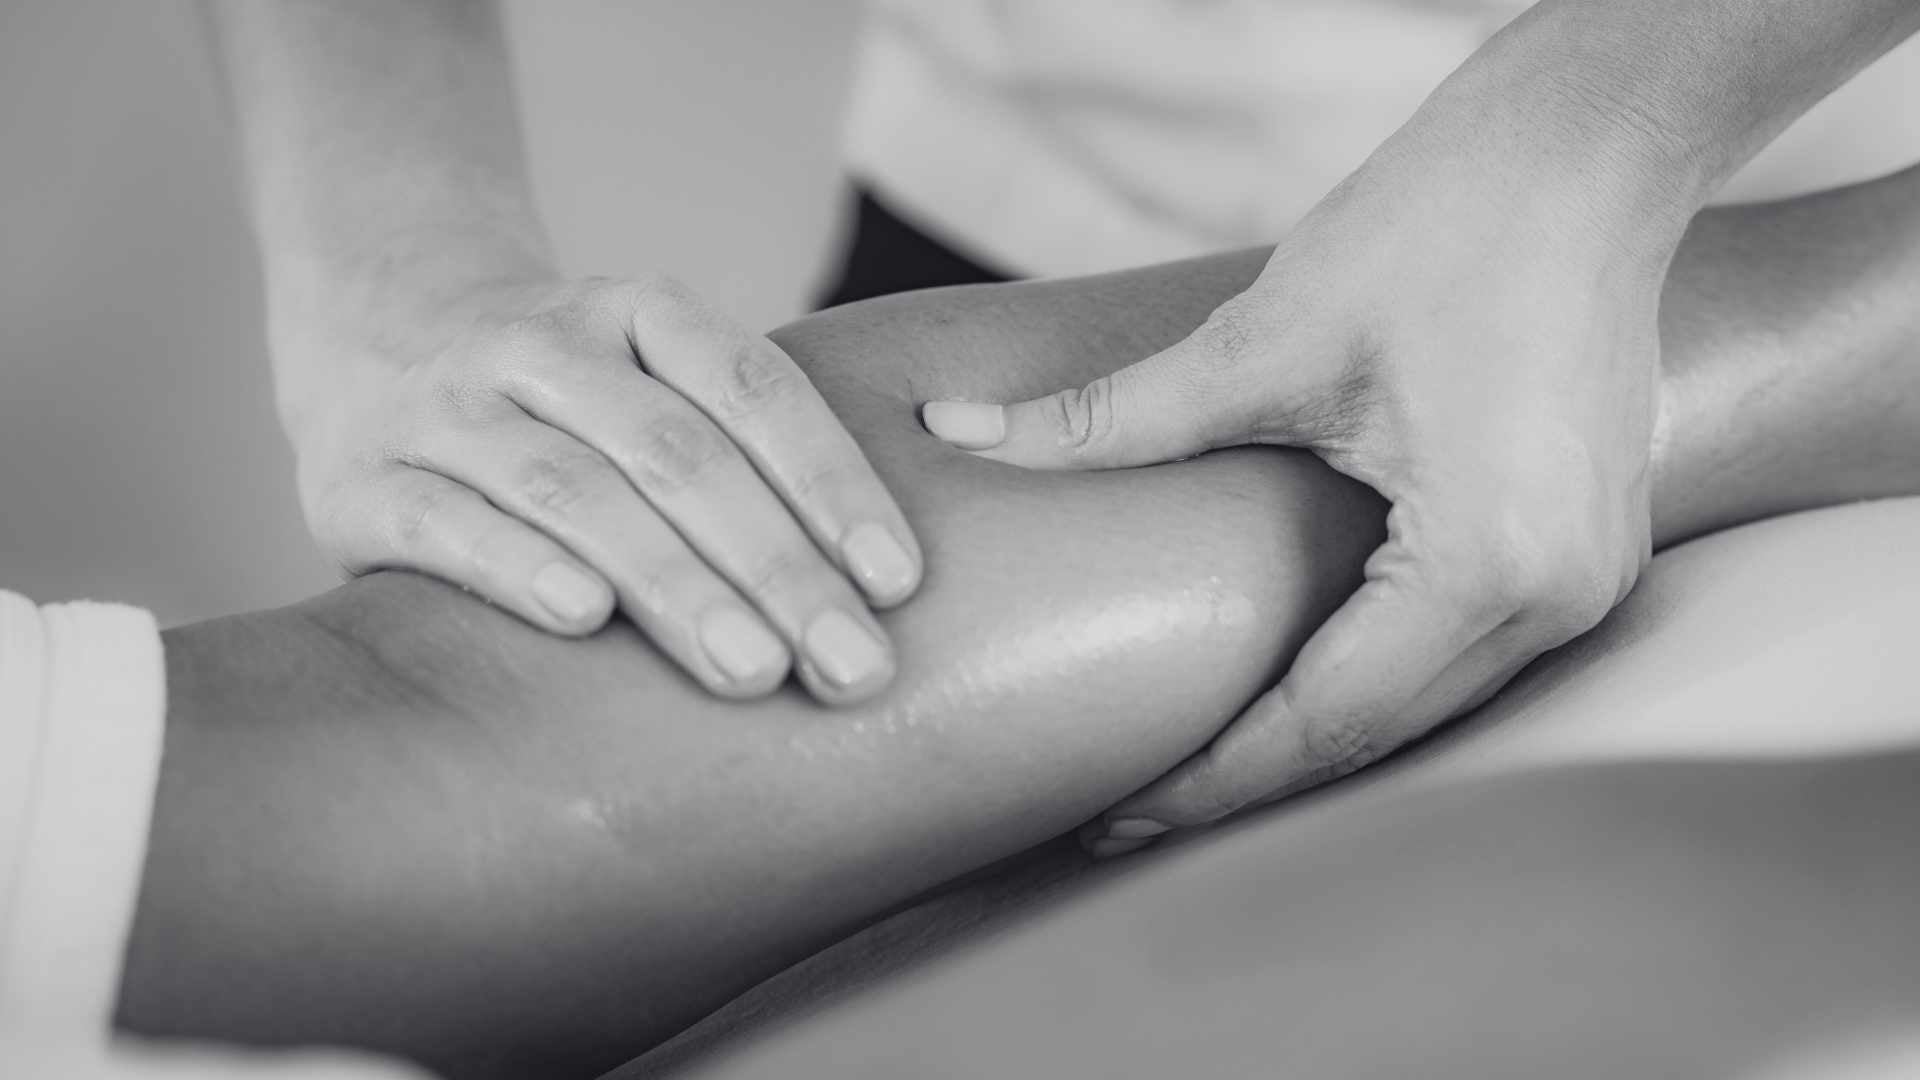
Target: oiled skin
395 818
1679 848
568 846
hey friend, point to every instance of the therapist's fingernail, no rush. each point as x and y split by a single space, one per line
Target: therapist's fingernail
844 652
880 562
572 596
968 425
743 649
1135 828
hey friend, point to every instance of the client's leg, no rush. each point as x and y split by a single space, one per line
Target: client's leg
394 818
442 833
1681 848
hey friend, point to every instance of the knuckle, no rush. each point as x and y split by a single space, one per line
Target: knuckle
436 440
662 288
1590 592
415 518
775 573
1526 565
673 454
670 591
663 298
469 395
559 483
650 587
1337 745
1084 418
836 482
756 374
1573 594
538 329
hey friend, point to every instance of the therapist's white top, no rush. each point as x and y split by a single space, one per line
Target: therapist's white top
1074 136
82 707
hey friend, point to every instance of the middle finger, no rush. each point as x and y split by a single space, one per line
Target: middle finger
698 480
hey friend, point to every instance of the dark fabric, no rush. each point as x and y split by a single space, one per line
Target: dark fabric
887 254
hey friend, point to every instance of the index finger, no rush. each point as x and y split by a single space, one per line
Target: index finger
755 392
1359 689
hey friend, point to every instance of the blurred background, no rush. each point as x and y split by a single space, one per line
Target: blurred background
140 459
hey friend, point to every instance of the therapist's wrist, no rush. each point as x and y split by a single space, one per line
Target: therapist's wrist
1546 126
415 273
341 323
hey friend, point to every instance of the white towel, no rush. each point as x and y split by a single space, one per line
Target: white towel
82 714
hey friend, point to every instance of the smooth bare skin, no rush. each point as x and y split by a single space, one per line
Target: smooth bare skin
396 818
1725 913
1467 324
1678 848
460 408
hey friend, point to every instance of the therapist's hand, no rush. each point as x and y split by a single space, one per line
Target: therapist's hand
561 448
1482 358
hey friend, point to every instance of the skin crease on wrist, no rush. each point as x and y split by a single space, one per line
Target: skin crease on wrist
393 818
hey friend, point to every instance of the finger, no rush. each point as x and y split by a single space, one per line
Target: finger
694 477
754 392
1480 673
1347 700
1462 687
566 489
421 521
1188 399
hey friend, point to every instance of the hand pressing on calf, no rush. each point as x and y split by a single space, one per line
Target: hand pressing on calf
1483 358
566 448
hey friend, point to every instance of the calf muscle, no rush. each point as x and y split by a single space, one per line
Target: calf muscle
427 828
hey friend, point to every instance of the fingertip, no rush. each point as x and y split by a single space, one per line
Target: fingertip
1202 790
577 602
845 659
837 695
887 570
1136 828
751 659
966 425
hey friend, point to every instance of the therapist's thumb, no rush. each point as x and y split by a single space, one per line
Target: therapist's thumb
1174 404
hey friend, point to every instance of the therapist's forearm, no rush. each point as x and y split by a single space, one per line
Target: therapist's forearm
382 153
1642 108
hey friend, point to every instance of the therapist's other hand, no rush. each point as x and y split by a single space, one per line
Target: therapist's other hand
561 448
1488 370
